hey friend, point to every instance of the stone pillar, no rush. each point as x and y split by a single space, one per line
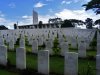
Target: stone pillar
20 58
43 62
71 63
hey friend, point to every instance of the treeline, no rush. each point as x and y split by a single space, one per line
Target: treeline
72 22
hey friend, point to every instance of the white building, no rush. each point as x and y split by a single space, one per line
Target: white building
35 17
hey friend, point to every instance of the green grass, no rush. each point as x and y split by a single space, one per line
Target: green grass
87 67
12 57
91 53
5 72
56 64
31 61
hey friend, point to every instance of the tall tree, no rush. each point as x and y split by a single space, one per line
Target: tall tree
89 23
15 26
93 4
40 24
66 23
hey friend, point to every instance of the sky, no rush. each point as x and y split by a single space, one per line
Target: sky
12 11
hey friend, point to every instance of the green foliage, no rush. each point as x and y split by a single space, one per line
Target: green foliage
93 4
64 37
17 42
89 69
26 41
66 23
89 23
75 21
15 26
40 24
41 47
56 48
97 22
86 67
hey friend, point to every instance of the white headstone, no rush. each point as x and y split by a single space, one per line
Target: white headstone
20 58
49 46
98 64
35 46
98 48
71 63
73 42
43 62
40 40
11 45
1 40
22 43
64 48
82 49
3 55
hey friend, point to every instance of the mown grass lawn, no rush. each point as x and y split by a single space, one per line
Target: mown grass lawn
57 64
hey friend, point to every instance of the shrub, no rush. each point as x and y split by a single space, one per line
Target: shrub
56 48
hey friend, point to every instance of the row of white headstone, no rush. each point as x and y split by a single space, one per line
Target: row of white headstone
70 67
70 34
49 44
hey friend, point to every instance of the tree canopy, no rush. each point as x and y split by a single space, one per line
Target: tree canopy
93 4
40 24
75 21
89 23
15 26
97 22
66 23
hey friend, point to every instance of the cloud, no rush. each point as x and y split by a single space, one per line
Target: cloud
87 0
27 20
45 18
66 2
81 1
6 22
76 14
25 17
2 19
39 5
12 5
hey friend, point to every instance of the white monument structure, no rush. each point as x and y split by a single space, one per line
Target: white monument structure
35 17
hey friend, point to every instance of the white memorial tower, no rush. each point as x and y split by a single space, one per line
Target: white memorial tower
35 17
